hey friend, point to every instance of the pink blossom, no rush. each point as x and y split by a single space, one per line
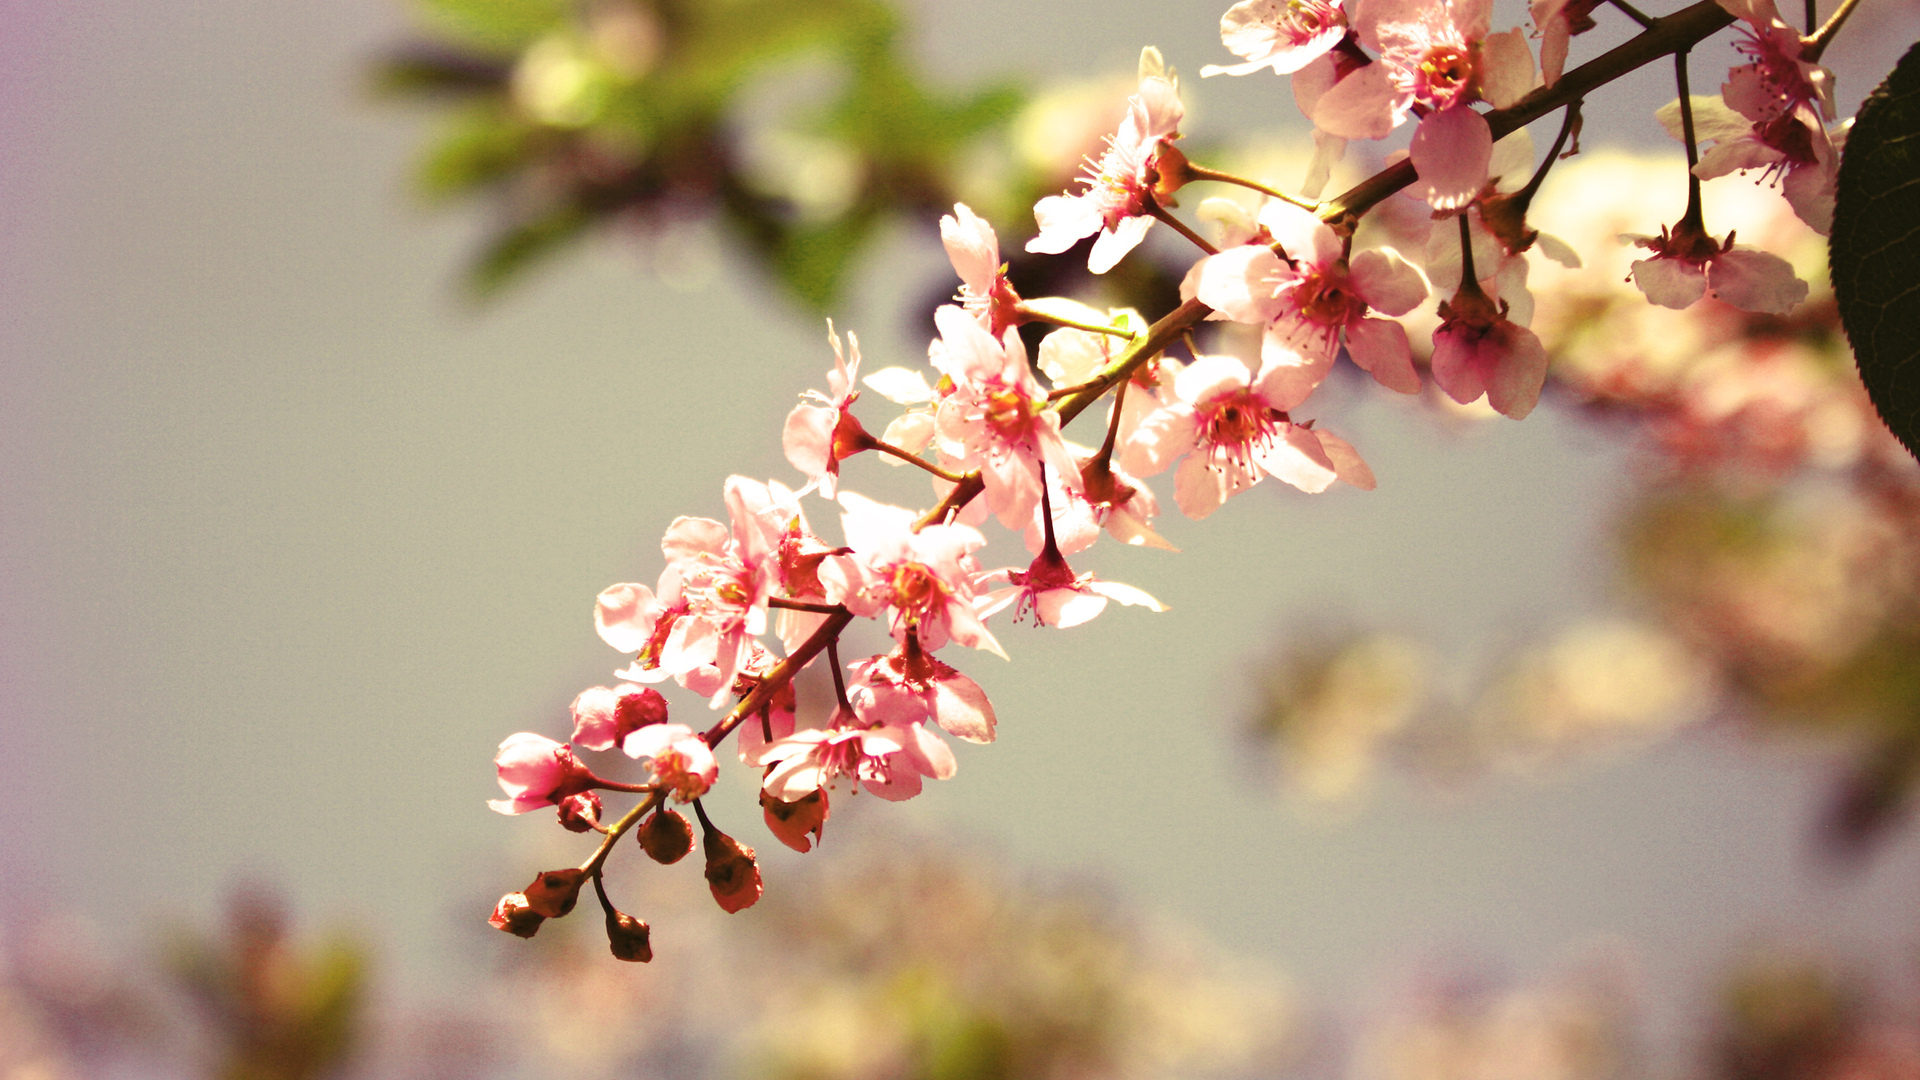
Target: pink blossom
909 686
1436 59
1792 147
996 419
1687 263
633 618
924 579
1232 428
887 760
603 716
984 290
681 761
794 553
1054 595
1117 199
1314 300
818 437
1478 351
535 771
1285 35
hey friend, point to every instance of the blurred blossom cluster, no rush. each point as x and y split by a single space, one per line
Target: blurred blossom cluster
906 958
1770 545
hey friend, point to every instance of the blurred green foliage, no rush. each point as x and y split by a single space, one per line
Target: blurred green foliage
573 117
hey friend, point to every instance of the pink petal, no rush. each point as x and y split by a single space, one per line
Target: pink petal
1670 283
1239 283
1198 490
1519 371
1063 221
972 247
1387 282
1380 348
1065 608
1454 369
625 615
1359 106
1113 245
1505 68
1755 281
961 707
1450 151
1346 461
1298 459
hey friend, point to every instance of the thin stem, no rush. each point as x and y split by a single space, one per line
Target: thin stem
1113 424
1524 197
1635 15
1812 46
915 459
1178 226
1041 315
600 890
1469 281
615 785
627 821
1686 135
1200 172
804 605
1813 15
701 813
839 680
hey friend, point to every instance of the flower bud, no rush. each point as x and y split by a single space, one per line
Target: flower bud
580 813
554 892
666 836
732 874
513 915
792 821
628 937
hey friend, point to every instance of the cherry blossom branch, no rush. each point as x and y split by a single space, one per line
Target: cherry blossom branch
780 674
962 494
627 821
805 605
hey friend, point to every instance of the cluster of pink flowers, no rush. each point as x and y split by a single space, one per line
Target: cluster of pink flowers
740 606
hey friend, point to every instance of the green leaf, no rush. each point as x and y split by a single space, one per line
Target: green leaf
504 25
1874 252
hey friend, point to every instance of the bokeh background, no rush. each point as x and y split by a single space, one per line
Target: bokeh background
296 527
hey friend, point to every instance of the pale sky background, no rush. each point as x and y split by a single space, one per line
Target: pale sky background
290 539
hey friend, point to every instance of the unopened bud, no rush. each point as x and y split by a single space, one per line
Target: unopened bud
732 874
580 813
628 937
793 821
667 836
554 892
1170 173
513 915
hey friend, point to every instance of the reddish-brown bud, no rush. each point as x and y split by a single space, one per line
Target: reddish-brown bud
628 937
580 813
1171 172
732 873
793 821
513 915
636 709
554 892
666 835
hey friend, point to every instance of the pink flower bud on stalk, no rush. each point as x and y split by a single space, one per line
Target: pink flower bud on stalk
629 938
554 892
580 813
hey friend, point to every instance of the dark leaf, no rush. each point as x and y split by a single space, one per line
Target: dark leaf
1875 248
